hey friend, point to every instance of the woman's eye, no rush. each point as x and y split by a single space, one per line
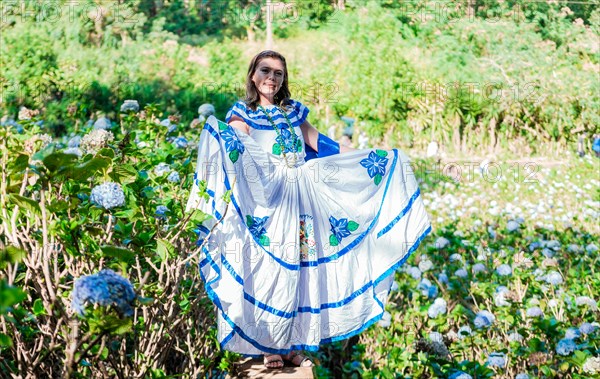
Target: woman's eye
279 74
265 70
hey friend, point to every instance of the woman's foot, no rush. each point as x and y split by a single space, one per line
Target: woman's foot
298 359
273 361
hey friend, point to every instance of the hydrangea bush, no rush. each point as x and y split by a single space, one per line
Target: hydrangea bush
73 219
503 288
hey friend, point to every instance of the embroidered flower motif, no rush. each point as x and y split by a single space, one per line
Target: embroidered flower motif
233 145
308 245
375 164
287 140
256 225
340 229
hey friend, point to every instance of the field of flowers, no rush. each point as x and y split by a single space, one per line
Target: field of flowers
98 263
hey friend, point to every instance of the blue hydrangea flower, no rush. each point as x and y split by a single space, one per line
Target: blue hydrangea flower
461 273
414 272
339 227
572 333
554 278
374 164
73 151
162 168
170 126
522 376
436 337
496 360
478 268
425 264
464 331
74 142
427 288
130 106
232 142
504 270
206 110
257 226
443 278
103 123
108 195
161 211
534 312
106 288
437 308
565 347
484 319
534 245
587 328
515 337
460 375
180 142
173 177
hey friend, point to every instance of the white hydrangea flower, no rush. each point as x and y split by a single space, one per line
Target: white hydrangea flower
592 365
441 243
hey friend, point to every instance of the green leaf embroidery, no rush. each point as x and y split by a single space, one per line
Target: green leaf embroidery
377 179
223 126
381 153
264 240
333 241
352 225
234 155
249 220
298 146
276 149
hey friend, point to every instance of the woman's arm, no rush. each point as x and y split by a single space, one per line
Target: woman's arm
311 137
239 124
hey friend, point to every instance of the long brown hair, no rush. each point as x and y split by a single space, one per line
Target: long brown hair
282 97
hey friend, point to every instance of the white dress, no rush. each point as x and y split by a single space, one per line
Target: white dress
303 255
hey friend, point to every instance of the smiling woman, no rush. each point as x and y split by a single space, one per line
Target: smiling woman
305 252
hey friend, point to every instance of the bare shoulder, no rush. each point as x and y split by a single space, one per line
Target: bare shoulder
238 123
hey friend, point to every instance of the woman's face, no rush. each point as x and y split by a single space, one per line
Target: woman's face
268 77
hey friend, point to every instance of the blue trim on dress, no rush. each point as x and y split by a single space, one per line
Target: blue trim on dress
297 116
337 304
215 299
401 214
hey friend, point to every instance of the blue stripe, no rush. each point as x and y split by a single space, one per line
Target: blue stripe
269 308
204 229
214 298
337 304
227 338
258 120
231 270
212 131
402 214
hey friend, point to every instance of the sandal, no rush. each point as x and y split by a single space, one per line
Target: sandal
272 361
298 359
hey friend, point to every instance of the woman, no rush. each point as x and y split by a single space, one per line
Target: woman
304 249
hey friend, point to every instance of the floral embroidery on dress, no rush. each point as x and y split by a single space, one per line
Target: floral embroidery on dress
308 245
375 164
340 229
233 145
256 226
287 140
